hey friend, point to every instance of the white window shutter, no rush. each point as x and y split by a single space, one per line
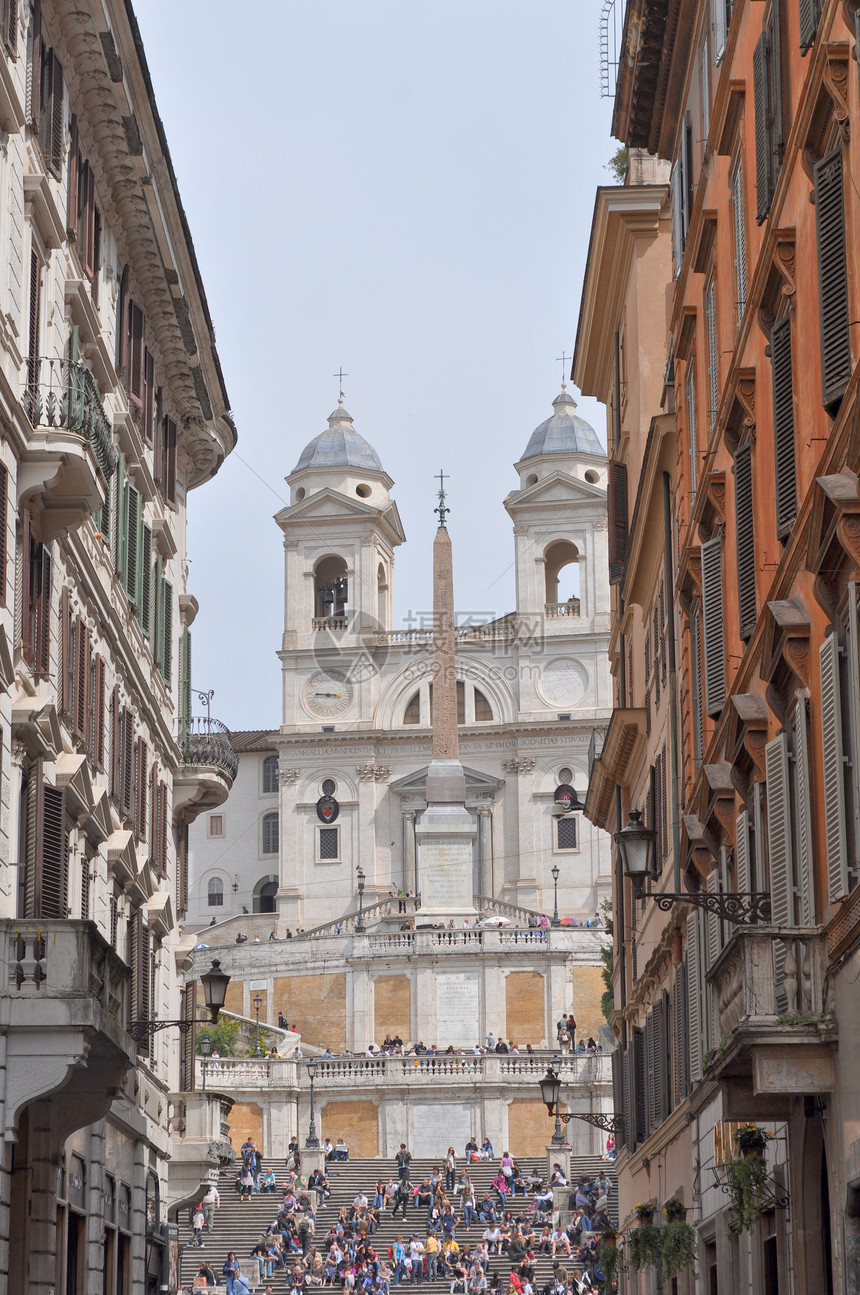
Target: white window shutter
675 187
720 31
712 922
737 182
832 769
742 852
693 997
713 625
854 715
803 815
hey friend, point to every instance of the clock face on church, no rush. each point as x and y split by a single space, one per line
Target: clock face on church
327 694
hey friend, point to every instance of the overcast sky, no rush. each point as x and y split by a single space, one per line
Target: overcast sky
404 188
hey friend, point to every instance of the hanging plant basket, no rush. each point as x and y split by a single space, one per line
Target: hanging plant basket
645 1211
750 1140
644 1246
609 1262
747 1191
609 1237
677 1247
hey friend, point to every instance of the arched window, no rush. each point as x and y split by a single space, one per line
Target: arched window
331 588
270 774
412 714
215 892
382 597
483 709
561 565
270 834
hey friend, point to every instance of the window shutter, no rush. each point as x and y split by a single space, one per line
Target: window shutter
188 1046
140 789
742 852
696 684
783 426
779 848
116 720
83 663
681 1039
33 852
720 28
153 810
677 217
832 277
145 602
74 177
833 769
35 66
167 659
737 183
712 625
169 485
10 28
65 652
135 352
132 542
158 613
694 998
639 1095
803 815
163 815
4 532
34 336
119 523
185 681
182 879
763 156
652 1071
54 150
690 401
745 541
617 522
809 15
99 713
852 803
55 856
42 608
128 762
148 394
713 358
628 1133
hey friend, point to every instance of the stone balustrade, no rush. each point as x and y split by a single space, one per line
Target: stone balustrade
767 973
343 1072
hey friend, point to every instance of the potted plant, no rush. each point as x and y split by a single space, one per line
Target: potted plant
645 1247
674 1209
644 1211
608 1237
751 1140
747 1176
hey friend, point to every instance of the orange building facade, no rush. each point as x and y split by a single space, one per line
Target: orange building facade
735 561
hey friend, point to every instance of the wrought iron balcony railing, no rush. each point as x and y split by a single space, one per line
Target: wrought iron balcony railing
206 741
64 395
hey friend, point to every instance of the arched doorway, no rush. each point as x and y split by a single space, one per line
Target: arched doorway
266 896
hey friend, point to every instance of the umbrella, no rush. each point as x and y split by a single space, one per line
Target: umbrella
496 921
201 946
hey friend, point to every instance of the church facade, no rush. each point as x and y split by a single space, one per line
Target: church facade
349 792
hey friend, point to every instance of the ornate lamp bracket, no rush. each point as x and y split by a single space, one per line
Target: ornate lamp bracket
743 908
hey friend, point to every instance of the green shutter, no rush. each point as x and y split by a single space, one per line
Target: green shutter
167 643
158 612
185 680
118 543
144 604
131 568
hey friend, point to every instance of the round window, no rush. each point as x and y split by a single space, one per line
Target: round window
300 493
329 787
362 491
565 775
592 477
531 479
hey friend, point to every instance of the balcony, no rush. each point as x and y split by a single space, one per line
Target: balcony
208 769
199 1144
64 1003
70 454
768 1007
556 611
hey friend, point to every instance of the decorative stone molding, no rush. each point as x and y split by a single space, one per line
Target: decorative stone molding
289 776
834 536
525 765
785 652
746 737
713 516
783 259
718 794
836 81
373 772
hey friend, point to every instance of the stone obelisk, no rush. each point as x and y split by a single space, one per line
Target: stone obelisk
445 832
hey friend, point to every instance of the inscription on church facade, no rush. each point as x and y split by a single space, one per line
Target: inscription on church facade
445 868
457 1009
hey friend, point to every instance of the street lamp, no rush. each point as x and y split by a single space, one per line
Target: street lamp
556 920
258 1003
359 926
636 845
550 1091
214 983
206 1051
312 1140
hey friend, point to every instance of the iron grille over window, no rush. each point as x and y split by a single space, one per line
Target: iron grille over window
329 843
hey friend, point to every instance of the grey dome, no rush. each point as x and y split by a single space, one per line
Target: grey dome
339 446
564 433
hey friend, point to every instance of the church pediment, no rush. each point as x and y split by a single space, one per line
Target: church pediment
328 505
559 487
476 783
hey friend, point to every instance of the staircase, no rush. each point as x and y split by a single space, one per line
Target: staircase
239 1225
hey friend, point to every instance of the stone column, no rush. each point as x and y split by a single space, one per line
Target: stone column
95 1207
485 848
410 879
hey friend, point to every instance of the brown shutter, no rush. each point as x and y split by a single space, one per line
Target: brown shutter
162 828
783 426
122 324
99 713
142 755
188 1047
170 461
640 1092
617 521
55 856
83 678
10 28
52 129
42 607
116 724
33 840
148 395
35 329
745 541
135 352
182 872
128 763
74 178
36 54
4 530
832 277
65 653
153 811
